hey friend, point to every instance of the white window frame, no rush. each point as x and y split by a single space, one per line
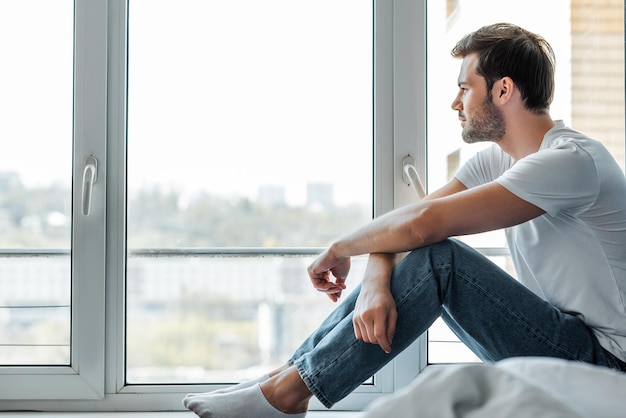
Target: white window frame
84 377
399 130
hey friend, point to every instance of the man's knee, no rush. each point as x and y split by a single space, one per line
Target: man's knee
443 248
443 256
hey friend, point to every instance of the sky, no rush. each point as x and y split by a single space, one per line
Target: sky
232 96
36 89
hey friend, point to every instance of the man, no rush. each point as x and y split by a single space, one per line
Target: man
560 196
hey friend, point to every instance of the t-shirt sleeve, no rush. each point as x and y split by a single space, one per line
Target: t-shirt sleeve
563 178
485 166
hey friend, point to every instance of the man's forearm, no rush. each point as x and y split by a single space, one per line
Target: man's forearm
403 229
396 232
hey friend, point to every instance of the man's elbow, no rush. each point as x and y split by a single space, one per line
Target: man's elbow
428 226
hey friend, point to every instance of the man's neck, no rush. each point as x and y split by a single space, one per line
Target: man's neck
525 134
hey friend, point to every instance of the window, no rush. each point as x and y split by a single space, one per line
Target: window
145 261
249 147
588 40
273 158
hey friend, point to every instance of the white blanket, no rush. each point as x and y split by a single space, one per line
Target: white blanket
518 387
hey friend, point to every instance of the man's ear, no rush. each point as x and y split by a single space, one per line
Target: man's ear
503 90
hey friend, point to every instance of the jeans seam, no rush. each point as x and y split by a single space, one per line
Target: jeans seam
412 290
309 378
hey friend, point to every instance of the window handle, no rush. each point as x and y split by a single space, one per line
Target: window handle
90 175
411 177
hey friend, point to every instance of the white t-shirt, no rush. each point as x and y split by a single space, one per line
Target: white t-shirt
573 256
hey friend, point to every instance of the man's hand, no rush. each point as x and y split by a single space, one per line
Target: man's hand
375 313
322 271
375 316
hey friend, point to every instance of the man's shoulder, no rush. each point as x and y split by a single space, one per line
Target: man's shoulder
562 136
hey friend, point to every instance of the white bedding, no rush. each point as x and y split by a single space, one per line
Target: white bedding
518 387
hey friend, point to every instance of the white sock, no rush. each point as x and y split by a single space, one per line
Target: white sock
245 403
233 388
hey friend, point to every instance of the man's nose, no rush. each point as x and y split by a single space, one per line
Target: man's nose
457 104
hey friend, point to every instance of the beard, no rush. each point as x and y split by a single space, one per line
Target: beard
486 125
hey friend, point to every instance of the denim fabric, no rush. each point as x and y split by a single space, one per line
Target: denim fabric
614 362
491 312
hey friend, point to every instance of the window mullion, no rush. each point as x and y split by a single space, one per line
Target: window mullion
88 256
116 195
409 136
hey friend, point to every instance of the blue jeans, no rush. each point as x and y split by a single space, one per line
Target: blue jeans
491 312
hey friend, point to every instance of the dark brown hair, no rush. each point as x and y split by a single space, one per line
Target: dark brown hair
506 50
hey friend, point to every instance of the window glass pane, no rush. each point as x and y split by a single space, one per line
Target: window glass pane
588 40
35 181
249 127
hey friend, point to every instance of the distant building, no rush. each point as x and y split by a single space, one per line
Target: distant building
9 181
271 196
319 195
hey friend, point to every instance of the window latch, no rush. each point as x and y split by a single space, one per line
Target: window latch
90 176
411 177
